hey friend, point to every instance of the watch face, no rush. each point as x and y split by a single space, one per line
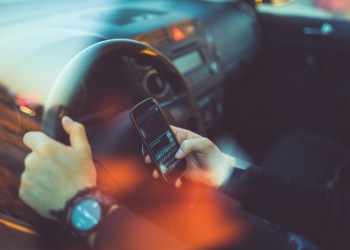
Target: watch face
86 214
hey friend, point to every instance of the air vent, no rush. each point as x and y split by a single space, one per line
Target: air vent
154 84
155 38
160 37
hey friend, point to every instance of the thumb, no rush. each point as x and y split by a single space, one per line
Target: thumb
77 134
200 145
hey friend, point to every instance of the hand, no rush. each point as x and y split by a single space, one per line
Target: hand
54 172
206 164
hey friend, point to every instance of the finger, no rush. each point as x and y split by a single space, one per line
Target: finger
22 190
30 161
155 174
183 134
77 134
178 183
148 159
38 141
180 154
199 145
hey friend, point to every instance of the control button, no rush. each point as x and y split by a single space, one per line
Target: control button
217 54
214 68
154 84
209 37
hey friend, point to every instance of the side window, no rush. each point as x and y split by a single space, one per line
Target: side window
338 9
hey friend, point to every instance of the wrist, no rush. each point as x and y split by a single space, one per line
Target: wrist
223 170
84 212
228 167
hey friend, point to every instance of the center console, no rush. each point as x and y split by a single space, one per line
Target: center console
205 53
192 50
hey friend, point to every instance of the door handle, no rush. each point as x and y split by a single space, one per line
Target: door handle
325 30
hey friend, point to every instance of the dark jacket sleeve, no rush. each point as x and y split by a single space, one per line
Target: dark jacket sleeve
125 230
322 215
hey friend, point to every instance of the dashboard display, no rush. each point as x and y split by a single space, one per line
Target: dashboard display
188 62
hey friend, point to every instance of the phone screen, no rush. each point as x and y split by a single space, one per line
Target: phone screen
158 137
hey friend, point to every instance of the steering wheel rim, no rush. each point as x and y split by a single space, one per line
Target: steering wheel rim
72 76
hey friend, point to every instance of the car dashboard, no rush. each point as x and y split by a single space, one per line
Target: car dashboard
206 40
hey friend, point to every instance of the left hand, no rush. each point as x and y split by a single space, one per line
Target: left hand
54 172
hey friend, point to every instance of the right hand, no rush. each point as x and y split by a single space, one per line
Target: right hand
206 164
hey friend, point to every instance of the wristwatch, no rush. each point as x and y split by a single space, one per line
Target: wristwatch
84 212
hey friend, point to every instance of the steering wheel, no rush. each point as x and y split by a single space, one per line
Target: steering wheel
117 138
71 78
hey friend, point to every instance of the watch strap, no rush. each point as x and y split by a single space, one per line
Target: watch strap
60 215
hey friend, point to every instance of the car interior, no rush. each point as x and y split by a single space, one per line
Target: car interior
267 81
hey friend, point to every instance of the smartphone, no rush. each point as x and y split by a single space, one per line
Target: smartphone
158 138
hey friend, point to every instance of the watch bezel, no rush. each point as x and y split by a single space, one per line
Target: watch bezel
72 221
64 216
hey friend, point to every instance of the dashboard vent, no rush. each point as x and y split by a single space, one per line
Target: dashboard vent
154 84
161 37
156 38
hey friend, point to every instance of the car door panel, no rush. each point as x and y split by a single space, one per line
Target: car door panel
319 48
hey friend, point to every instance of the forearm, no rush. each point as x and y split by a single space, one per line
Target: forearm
320 214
